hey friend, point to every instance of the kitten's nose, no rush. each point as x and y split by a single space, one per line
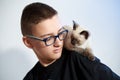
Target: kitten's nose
73 41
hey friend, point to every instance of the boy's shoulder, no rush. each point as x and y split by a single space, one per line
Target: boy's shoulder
30 74
78 56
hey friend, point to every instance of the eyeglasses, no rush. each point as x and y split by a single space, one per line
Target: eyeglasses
51 39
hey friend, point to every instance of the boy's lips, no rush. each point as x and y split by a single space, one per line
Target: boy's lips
58 50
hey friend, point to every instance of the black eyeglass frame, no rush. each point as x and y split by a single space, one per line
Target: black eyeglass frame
45 39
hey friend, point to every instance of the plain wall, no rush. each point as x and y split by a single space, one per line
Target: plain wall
101 18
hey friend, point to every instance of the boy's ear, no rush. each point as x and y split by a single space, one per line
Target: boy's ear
75 25
27 42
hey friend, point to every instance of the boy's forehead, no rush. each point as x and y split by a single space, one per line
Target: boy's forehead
53 21
48 26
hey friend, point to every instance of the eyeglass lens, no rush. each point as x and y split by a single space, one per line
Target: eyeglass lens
52 39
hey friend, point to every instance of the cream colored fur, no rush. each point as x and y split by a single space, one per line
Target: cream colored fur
80 43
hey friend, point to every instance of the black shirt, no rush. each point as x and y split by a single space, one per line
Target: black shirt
72 66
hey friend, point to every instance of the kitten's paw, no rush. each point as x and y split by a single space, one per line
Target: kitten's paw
88 53
92 58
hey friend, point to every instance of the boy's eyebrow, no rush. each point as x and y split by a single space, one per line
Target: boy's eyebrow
50 33
45 35
60 29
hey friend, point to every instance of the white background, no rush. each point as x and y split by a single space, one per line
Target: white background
101 18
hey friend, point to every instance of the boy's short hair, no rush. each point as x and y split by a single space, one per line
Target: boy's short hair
33 14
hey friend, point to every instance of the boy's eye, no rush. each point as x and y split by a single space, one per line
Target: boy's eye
49 38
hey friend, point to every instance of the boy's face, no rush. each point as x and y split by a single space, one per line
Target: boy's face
44 29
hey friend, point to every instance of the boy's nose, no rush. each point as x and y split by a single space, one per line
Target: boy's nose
58 42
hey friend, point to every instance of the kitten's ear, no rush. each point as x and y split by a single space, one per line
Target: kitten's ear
75 25
85 33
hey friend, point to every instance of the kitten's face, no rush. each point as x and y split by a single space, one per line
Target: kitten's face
79 35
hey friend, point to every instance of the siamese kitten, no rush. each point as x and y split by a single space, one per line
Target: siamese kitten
77 40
